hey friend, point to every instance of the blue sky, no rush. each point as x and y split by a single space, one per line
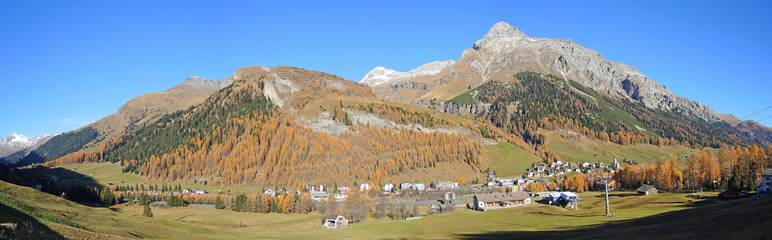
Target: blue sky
64 64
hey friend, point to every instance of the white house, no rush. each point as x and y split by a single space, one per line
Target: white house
419 186
333 221
319 196
364 187
199 191
447 185
341 196
388 187
520 181
405 185
569 196
344 189
500 200
552 197
270 192
766 182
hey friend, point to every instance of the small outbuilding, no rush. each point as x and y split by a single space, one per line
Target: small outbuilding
569 196
333 221
646 189
551 197
601 185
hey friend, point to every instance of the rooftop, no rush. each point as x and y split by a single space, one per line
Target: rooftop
644 188
498 197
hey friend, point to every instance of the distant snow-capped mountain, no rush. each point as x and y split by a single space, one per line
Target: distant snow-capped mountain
16 146
381 75
16 140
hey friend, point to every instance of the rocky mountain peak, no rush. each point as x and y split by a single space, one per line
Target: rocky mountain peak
501 32
200 82
381 75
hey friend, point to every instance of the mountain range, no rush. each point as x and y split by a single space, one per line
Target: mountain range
505 51
16 146
283 126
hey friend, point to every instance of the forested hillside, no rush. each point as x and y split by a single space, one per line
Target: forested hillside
59 146
133 115
240 137
533 100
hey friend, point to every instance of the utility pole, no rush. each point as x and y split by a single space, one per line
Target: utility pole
605 180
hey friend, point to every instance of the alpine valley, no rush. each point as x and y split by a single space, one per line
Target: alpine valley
283 126
509 105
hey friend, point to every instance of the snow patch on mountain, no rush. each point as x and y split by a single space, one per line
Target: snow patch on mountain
20 141
381 75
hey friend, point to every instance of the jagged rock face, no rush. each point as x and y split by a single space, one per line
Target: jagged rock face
203 83
290 87
407 85
505 51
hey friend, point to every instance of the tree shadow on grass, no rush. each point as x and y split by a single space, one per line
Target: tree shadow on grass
18 225
60 181
748 218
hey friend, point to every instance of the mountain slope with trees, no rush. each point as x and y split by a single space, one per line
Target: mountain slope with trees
135 114
506 51
246 134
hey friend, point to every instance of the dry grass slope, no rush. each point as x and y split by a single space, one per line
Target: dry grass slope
660 216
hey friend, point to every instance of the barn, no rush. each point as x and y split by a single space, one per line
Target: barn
501 200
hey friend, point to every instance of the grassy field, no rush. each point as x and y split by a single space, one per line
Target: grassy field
508 160
54 217
104 173
43 216
583 149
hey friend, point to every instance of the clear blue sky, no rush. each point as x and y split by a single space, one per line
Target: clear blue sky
66 63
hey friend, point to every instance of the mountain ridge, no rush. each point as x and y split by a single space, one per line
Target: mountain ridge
132 115
252 133
506 50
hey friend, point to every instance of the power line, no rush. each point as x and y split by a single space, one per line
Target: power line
770 106
770 116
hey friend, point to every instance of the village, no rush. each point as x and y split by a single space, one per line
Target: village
537 186
542 184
